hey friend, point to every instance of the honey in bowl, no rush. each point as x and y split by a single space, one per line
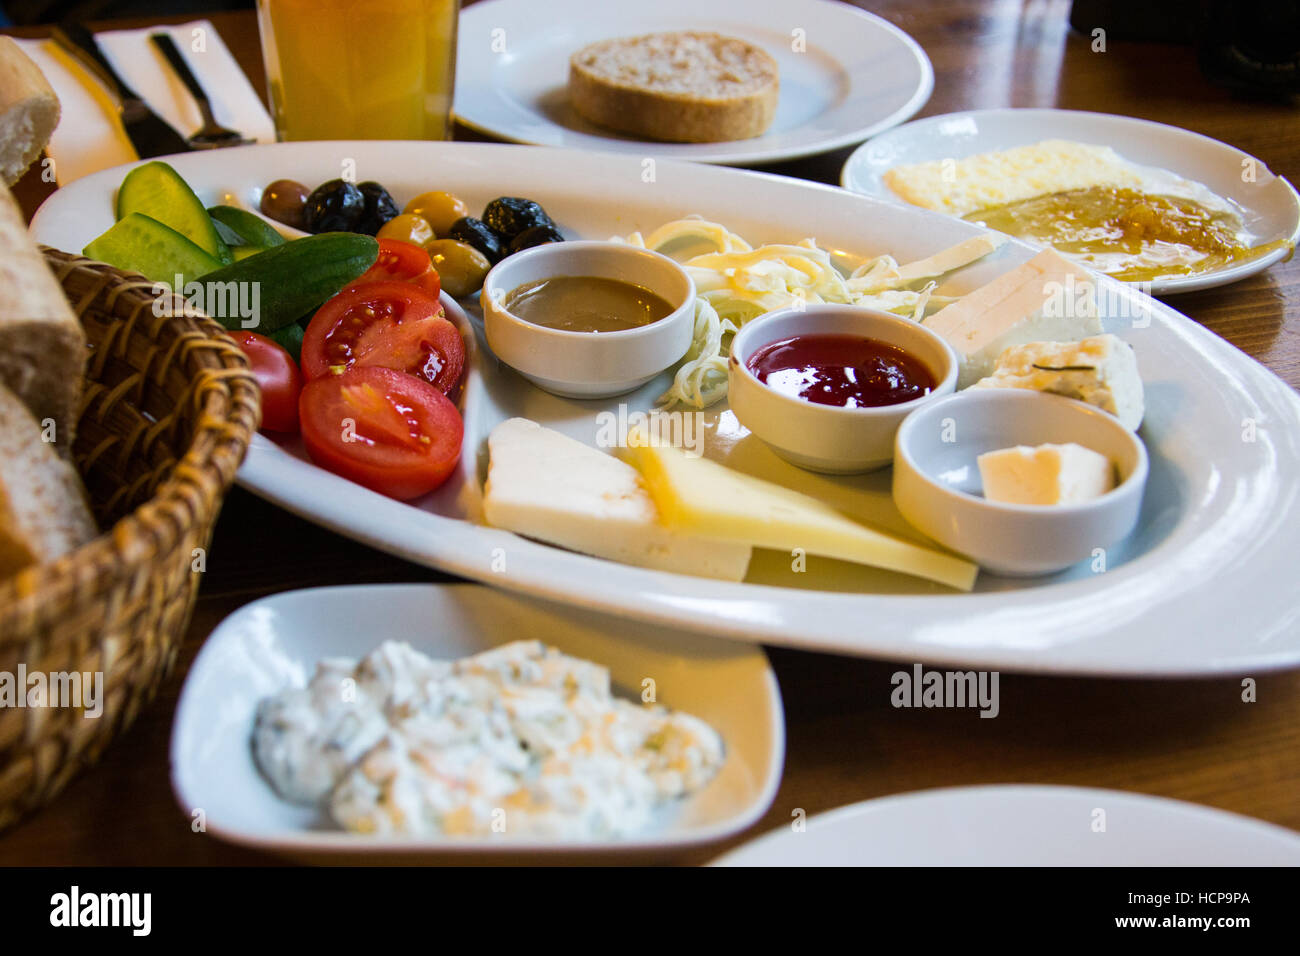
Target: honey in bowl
845 371
587 304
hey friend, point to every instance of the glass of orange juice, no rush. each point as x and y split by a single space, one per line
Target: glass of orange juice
360 69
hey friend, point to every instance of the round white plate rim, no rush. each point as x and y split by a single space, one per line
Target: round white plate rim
741 152
853 180
751 612
760 850
341 842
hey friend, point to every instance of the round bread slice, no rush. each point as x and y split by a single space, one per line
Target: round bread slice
681 87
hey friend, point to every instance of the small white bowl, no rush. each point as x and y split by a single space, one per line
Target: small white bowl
589 364
823 438
937 480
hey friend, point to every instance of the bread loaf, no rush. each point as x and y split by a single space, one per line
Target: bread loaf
43 509
29 111
42 344
685 87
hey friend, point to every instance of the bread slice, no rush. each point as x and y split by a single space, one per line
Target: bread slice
42 345
43 509
29 111
682 87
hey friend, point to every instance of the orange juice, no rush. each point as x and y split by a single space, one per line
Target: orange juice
360 69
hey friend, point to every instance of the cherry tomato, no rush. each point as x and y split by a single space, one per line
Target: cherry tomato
403 262
278 377
388 324
391 432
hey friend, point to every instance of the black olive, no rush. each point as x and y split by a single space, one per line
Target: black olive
536 236
477 233
508 216
335 206
379 208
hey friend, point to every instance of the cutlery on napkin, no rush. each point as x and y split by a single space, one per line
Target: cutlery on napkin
90 135
149 134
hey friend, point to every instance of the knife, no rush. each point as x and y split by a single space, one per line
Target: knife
149 134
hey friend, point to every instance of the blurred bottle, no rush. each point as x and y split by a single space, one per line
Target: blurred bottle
1253 45
1246 45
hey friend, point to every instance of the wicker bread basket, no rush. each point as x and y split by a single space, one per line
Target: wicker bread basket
169 408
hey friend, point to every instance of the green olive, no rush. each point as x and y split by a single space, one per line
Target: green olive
408 228
460 267
441 209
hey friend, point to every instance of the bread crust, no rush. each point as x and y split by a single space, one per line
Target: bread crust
43 510
685 107
42 344
29 111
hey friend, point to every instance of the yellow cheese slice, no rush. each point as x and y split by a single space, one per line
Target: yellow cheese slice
704 498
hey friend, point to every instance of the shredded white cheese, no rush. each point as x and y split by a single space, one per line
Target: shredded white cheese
736 282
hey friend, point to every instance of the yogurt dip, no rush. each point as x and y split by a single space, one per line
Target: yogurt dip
520 740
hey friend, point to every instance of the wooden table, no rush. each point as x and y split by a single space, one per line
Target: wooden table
1194 740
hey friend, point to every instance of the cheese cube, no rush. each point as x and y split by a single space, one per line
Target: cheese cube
1046 299
1045 475
547 486
1100 370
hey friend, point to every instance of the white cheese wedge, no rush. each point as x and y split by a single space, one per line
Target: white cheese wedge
1045 475
1100 370
1047 298
547 486
704 498
954 257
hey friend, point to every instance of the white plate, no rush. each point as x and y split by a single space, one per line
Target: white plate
1270 204
276 642
1204 586
856 75
1023 826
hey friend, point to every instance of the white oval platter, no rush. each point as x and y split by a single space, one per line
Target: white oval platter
1205 585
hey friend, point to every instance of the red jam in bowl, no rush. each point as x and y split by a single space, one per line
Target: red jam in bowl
846 371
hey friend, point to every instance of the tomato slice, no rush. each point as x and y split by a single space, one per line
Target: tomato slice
277 376
400 261
391 432
386 324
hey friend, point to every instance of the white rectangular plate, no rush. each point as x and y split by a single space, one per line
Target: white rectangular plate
276 642
1205 584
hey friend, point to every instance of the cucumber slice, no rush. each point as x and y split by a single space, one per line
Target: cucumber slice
157 191
291 280
160 253
249 228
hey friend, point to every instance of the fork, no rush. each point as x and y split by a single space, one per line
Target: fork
212 135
